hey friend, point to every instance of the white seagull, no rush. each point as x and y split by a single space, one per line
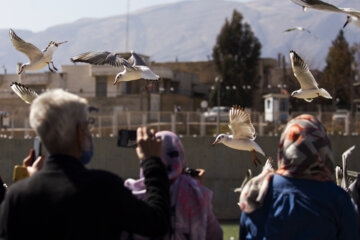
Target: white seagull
352 14
134 67
243 134
38 59
25 93
309 87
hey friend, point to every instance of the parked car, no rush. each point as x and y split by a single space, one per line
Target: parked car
212 114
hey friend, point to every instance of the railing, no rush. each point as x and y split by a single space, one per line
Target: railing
182 123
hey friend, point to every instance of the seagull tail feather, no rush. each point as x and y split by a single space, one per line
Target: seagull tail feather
324 93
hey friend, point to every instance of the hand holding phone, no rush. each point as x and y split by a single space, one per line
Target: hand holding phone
148 144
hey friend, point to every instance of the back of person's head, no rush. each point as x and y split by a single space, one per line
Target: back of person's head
172 153
305 150
54 115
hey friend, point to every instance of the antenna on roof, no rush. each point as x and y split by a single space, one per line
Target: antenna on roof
127 27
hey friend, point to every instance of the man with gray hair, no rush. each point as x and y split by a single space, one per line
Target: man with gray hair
64 200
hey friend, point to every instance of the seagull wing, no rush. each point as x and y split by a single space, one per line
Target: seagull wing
346 154
240 123
136 60
25 93
32 52
317 4
102 58
351 12
290 29
302 72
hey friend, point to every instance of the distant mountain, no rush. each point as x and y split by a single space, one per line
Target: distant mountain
187 31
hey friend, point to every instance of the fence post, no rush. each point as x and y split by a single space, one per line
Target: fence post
347 124
202 125
114 123
158 121
187 123
144 119
99 126
173 123
261 125
128 119
26 132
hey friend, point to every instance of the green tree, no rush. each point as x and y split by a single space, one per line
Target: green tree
337 73
236 56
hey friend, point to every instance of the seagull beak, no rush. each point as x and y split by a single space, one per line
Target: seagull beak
216 142
115 82
346 23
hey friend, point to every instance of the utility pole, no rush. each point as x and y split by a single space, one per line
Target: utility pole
127 27
218 81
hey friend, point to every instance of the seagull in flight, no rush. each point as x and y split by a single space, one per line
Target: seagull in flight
297 28
300 29
352 14
243 134
27 94
134 67
38 59
309 87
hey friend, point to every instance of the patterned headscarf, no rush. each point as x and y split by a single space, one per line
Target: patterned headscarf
190 201
304 152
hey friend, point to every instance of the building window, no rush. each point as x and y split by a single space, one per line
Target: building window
268 102
101 86
284 105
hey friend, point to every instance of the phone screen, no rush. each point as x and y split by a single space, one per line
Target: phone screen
127 138
37 147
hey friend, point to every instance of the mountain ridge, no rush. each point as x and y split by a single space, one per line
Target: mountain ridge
187 31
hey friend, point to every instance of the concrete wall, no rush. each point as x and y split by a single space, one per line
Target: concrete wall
225 167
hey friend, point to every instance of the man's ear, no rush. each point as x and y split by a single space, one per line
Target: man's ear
79 134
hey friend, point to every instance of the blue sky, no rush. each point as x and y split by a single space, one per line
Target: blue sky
37 15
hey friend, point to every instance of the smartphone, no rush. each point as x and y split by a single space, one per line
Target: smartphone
192 172
127 138
37 147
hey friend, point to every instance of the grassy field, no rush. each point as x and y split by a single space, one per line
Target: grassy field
230 229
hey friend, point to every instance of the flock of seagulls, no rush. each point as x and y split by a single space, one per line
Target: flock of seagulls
134 68
243 132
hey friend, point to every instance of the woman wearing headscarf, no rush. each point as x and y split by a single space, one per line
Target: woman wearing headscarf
299 200
192 215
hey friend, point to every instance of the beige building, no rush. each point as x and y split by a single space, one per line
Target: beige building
96 84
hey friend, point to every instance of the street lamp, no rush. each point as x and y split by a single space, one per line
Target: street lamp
218 81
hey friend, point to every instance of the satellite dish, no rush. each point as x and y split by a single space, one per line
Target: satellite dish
204 104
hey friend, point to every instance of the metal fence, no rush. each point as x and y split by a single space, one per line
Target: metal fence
184 123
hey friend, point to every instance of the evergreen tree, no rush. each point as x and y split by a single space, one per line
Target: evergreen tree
337 73
236 55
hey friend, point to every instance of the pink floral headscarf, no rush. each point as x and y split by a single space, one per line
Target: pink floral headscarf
192 216
304 152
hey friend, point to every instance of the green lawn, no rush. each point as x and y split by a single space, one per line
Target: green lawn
230 229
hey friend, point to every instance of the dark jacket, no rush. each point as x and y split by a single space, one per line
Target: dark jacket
67 201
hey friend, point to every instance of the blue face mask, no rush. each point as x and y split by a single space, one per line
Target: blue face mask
87 155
